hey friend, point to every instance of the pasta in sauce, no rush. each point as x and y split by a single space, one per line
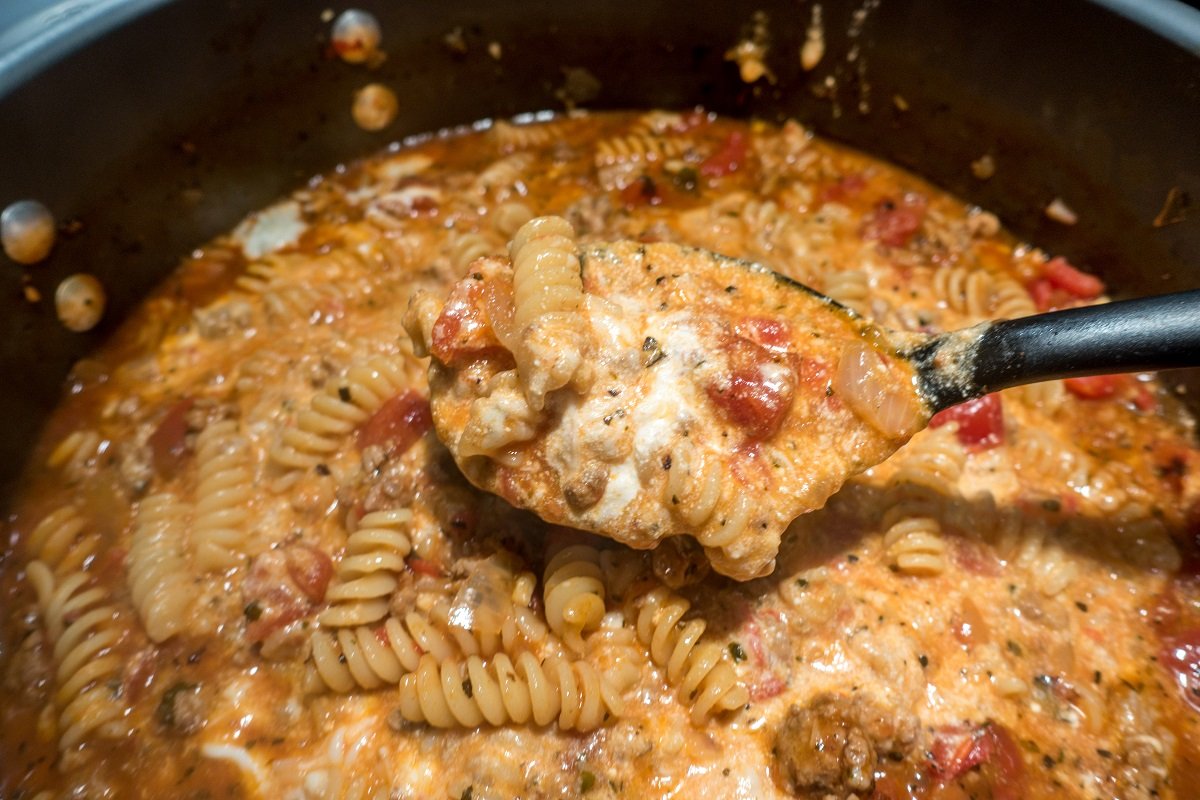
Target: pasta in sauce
242 565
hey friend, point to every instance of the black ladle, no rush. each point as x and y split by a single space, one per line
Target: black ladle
1149 333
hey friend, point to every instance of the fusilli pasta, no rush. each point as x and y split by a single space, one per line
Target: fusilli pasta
158 575
335 412
224 492
80 623
701 669
574 594
468 693
367 573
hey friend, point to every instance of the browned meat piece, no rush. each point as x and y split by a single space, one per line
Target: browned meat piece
182 710
832 746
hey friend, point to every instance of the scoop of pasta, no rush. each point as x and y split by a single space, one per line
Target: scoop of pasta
643 391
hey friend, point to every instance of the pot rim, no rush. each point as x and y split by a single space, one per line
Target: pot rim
40 33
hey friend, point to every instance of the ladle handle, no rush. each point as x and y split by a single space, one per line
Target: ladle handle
1149 333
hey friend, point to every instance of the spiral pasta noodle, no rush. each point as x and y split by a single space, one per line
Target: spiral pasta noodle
61 541
338 410
546 271
158 575
75 452
693 486
507 218
701 669
933 460
504 175
1010 299
967 291
637 148
573 594
466 247
468 693
912 536
547 294
368 572
224 492
509 136
851 288
80 624
286 300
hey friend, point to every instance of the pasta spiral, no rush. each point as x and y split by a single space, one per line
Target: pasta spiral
638 148
372 657
967 291
693 486
701 669
912 536
335 412
574 594
75 452
224 492
80 625
367 573
1010 300
451 693
59 540
158 572
466 247
851 288
933 460
546 276
547 294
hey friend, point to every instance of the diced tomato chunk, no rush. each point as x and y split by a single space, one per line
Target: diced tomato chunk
728 159
310 569
1061 275
1180 655
423 566
280 587
844 188
955 751
642 192
398 423
168 443
767 331
756 392
894 223
980 422
1095 387
1043 294
462 330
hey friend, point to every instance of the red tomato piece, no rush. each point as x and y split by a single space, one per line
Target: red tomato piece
980 422
844 188
955 751
1078 284
642 192
462 330
398 423
767 331
167 444
1095 387
1144 400
422 566
747 395
729 158
1180 655
310 569
1043 294
894 224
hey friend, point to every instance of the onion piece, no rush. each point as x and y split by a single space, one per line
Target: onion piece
888 403
498 303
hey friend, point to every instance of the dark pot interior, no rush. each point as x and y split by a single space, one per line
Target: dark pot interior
163 132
